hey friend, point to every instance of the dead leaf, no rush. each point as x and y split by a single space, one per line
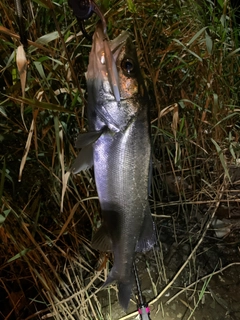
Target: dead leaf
27 147
22 64
64 187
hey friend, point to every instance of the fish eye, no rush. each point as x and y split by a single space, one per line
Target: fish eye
128 66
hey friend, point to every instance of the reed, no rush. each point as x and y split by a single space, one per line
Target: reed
189 56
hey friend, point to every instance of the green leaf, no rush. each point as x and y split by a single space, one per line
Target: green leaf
44 105
48 38
220 2
221 157
40 70
2 111
3 216
45 3
190 51
19 255
10 60
44 40
209 43
196 35
232 53
131 6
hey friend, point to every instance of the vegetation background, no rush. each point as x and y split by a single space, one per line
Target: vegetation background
189 55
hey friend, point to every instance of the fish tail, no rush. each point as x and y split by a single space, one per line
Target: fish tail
124 288
124 293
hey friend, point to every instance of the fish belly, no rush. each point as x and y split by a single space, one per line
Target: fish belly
121 168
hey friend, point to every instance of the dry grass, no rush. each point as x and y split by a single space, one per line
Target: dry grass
191 68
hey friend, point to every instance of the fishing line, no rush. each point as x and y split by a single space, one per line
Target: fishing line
83 10
143 308
21 25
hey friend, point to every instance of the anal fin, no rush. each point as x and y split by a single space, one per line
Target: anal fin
147 237
101 240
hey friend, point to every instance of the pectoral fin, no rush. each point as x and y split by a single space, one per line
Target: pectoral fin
84 160
84 139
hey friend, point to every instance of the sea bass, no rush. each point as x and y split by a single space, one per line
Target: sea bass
118 145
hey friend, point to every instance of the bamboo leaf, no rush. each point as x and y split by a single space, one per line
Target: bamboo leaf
40 70
48 38
45 3
232 53
209 43
19 255
196 36
2 111
43 105
221 157
189 51
4 215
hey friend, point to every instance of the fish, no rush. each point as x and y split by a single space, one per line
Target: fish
118 146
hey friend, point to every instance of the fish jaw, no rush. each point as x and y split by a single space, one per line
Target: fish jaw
102 61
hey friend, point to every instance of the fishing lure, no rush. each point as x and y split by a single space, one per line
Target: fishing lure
83 10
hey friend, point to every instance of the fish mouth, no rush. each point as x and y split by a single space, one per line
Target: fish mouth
103 56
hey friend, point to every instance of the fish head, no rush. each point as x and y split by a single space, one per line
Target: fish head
114 65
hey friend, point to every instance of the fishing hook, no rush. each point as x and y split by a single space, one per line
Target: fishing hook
83 10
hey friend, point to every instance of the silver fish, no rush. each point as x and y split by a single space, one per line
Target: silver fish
118 145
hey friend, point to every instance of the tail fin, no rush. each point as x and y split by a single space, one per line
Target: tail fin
124 294
124 288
